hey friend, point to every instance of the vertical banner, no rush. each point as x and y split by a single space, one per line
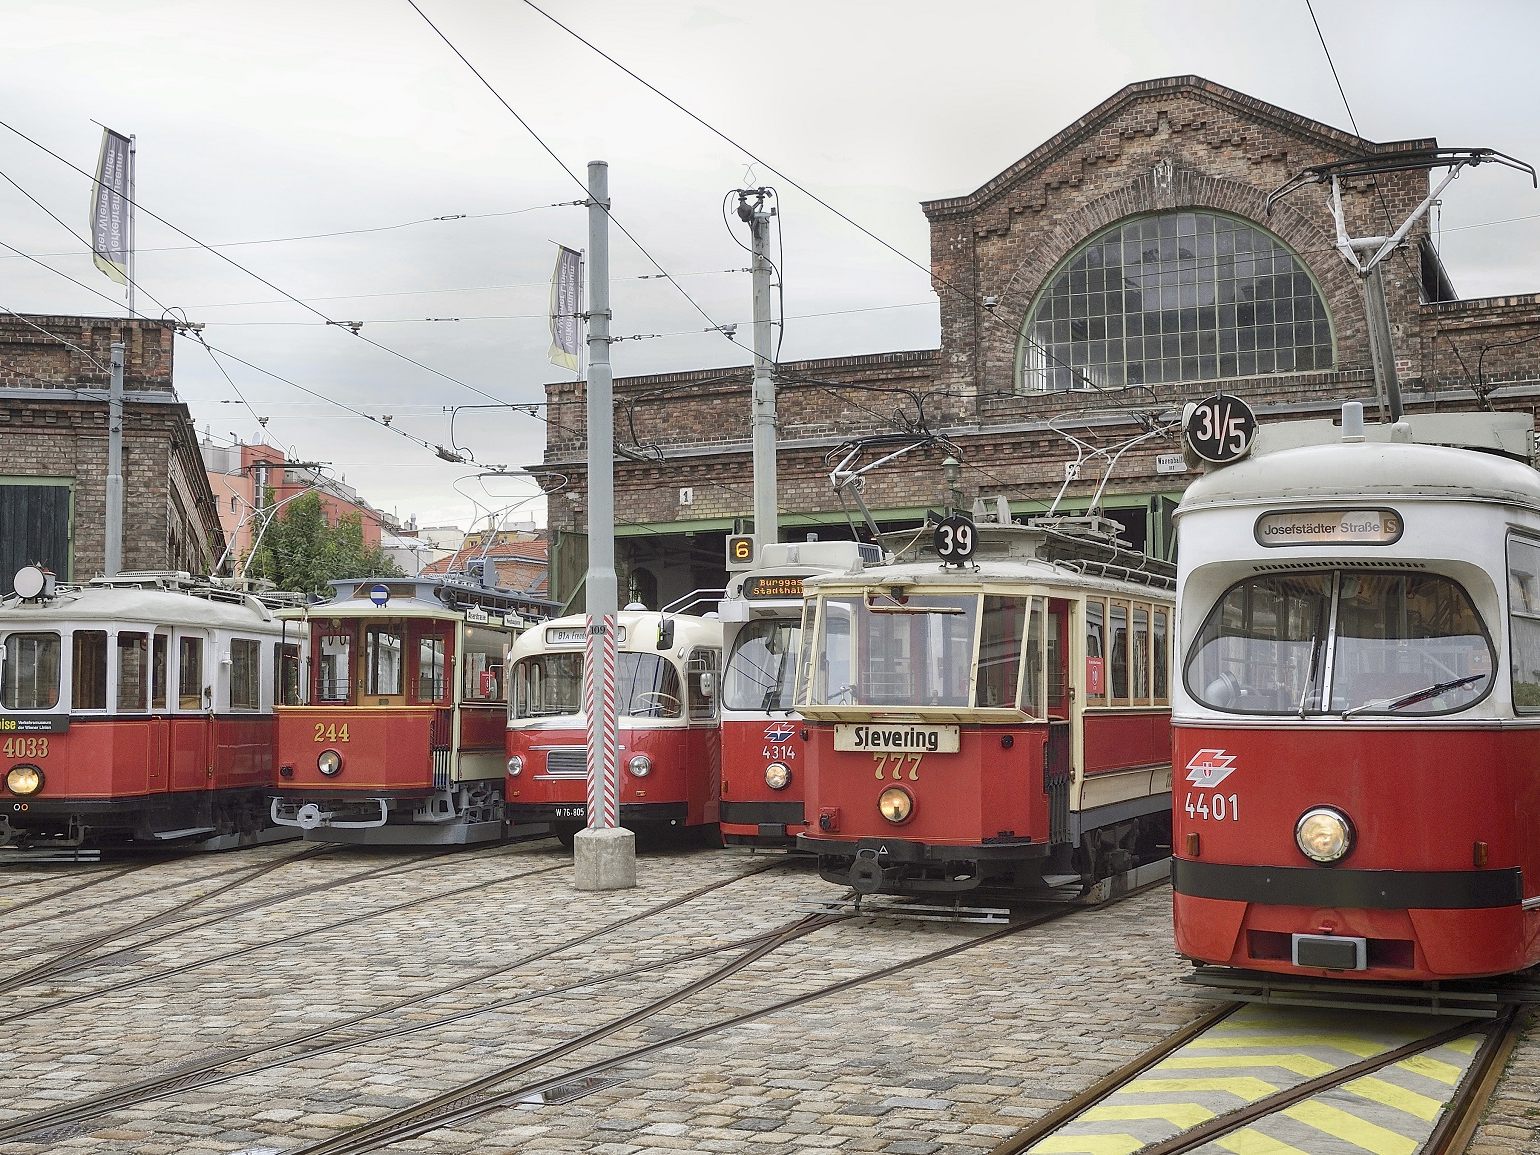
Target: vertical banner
566 307
110 206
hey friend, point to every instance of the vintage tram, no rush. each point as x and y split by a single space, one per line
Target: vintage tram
996 721
669 738
400 738
138 711
762 781
1356 717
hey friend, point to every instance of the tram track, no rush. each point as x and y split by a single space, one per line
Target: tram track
56 1124
1455 1121
320 928
98 877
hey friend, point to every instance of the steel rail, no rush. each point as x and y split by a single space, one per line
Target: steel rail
1458 1123
477 1097
192 1075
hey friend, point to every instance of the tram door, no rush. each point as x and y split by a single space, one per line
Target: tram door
1058 764
384 668
191 700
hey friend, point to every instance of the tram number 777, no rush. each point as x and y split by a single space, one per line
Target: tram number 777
895 762
1216 806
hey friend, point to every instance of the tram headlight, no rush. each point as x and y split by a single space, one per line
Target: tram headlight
24 781
515 765
896 804
777 776
329 762
640 766
1324 834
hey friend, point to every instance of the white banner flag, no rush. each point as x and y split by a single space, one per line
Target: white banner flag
566 307
110 206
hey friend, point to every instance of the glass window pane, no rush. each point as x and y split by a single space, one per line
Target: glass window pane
160 680
88 686
1000 640
382 659
245 674
760 668
189 694
483 664
285 674
133 671
29 677
548 685
334 667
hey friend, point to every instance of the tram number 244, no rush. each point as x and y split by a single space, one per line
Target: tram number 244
331 733
1218 807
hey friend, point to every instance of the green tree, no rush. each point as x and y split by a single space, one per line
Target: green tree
300 551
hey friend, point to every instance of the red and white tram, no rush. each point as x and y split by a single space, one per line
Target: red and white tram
138 710
401 737
762 780
998 723
1356 718
667 668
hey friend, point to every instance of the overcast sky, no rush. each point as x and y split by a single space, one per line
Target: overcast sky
257 124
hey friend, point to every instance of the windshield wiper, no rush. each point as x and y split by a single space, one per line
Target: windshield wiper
1415 696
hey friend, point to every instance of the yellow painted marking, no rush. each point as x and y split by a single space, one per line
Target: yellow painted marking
1390 1095
1446 1073
1087 1145
1242 1086
1305 1065
1351 1129
1249 1142
1466 1045
1353 1045
1183 1115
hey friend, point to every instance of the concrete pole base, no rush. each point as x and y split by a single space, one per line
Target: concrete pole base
604 859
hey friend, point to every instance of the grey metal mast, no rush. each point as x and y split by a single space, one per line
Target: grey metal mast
763 420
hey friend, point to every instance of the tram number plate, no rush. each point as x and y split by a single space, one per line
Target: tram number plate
571 812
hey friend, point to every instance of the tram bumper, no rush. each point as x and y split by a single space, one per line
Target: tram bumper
360 814
892 865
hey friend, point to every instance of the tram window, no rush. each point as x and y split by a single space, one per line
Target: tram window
430 668
701 677
1118 651
1095 652
29 672
88 683
548 685
1162 658
1000 637
1265 647
133 671
285 674
1140 662
1032 700
160 681
382 660
802 690
334 682
483 663
189 686
913 651
834 678
648 686
1524 623
759 671
245 674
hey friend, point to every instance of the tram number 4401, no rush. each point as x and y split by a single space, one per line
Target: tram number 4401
1218 807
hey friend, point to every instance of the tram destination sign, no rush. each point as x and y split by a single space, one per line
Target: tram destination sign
1330 527
873 739
52 724
576 635
776 587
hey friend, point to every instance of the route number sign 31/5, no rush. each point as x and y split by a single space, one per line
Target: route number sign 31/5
1220 429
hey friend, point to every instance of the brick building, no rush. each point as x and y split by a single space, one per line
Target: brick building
54 376
1124 266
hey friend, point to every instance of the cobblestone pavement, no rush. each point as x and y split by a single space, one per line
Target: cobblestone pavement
950 1056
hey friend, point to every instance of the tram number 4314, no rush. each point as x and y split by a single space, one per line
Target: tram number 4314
1218 807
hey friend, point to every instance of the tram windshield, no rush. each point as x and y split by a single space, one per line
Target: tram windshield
551 685
957 650
761 667
29 671
1346 642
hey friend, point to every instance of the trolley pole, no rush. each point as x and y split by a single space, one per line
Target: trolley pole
763 420
112 562
604 855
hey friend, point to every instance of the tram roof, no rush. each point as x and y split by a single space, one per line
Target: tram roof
425 596
1014 572
1341 471
203 607
639 626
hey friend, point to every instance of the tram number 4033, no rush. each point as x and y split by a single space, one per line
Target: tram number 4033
1218 807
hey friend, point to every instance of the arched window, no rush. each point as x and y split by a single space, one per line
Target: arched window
1181 296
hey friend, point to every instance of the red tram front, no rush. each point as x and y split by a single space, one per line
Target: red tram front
137 710
666 701
401 739
763 784
1000 724
1358 775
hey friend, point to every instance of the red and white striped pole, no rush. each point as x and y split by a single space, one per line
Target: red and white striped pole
604 855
